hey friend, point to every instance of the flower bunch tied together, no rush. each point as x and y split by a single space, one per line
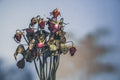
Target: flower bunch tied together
43 41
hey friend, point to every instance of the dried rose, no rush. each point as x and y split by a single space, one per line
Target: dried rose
72 51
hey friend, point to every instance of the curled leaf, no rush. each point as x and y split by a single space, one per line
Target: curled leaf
21 63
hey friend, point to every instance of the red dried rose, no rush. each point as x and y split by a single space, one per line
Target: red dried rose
72 51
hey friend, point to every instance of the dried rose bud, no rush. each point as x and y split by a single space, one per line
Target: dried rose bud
40 45
18 37
42 24
55 28
56 12
72 51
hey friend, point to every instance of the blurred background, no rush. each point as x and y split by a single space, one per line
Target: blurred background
94 27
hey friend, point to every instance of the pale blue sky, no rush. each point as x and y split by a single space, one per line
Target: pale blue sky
83 15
